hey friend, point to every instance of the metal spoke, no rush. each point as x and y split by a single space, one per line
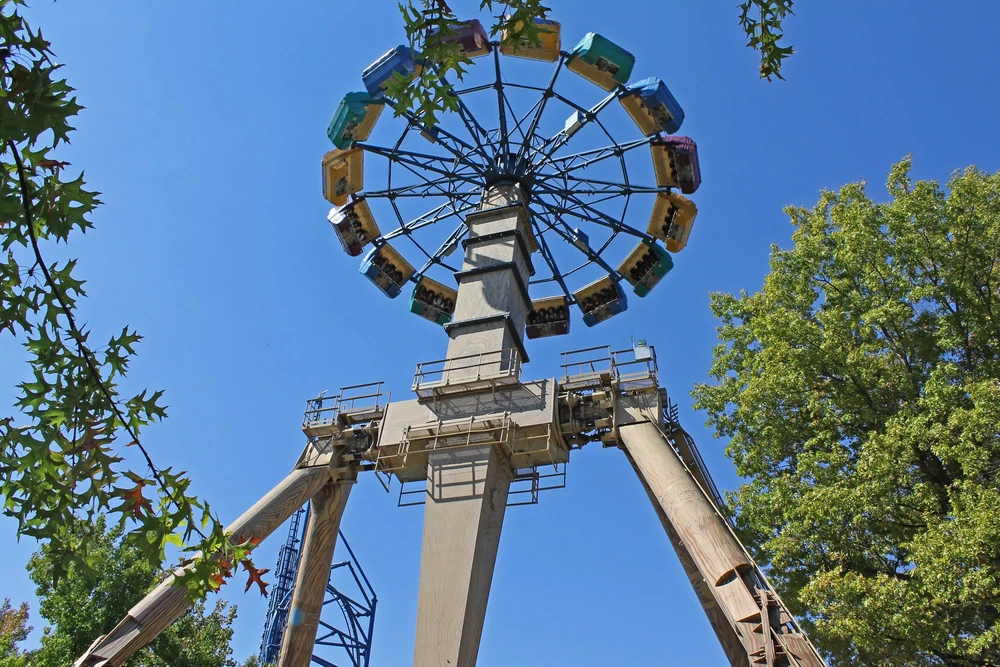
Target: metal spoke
500 105
542 103
445 248
431 217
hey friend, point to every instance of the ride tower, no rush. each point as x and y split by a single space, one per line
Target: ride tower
538 199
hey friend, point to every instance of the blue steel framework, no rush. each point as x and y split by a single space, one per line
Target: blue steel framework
351 637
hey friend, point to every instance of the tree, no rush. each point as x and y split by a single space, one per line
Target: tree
58 462
80 609
860 388
428 27
14 629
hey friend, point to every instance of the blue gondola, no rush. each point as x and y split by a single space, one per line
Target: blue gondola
645 267
675 162
548 317
601 61
652 107
377 75
354 119
433 301
355 226
387 269
600 300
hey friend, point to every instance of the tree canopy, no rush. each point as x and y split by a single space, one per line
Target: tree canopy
80 609
860 388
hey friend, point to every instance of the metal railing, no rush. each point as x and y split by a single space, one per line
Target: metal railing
325 415
486 368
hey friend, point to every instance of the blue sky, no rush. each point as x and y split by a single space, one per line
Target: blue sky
204 129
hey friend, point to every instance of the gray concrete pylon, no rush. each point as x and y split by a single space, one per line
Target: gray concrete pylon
467 487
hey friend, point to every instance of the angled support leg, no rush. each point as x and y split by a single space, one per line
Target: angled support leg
752 628
466 499
165 604
325 513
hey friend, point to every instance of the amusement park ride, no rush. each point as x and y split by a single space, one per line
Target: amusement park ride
477 436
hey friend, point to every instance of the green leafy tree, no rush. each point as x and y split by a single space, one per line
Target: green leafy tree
80 608
860 388
429 24
61 456
14 629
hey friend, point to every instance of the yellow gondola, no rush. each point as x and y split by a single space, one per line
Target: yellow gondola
547 49
672 220
343 174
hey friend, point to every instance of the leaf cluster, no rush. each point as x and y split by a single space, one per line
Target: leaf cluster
762 21
61 455
860 390
429 26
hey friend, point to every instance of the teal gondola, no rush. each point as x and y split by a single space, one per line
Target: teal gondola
645 267
433 301
601 61
354 119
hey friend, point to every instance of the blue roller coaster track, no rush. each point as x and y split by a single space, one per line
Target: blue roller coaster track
347 621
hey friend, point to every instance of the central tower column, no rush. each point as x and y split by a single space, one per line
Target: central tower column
467 487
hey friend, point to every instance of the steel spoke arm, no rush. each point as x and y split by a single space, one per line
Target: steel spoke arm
445 249
420 160
560 227
543 248
435 215
595 215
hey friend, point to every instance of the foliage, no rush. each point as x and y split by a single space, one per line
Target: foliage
429 26
57 460
14 629
861 392
80 610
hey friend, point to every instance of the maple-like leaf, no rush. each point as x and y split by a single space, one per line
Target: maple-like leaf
135 502
254 577
52 165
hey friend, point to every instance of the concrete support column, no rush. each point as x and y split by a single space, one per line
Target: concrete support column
493 301
463 516
325 512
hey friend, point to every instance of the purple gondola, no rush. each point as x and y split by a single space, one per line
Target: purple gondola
675 161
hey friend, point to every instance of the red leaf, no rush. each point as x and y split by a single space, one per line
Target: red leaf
254 577
135 502
218 581
52 165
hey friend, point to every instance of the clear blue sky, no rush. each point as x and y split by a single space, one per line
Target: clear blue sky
204 129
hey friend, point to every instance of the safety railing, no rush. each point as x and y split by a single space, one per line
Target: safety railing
471 372
635 369
327 416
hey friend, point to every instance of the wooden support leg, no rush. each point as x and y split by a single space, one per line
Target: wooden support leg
325 513
736 601
466 499
164 605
